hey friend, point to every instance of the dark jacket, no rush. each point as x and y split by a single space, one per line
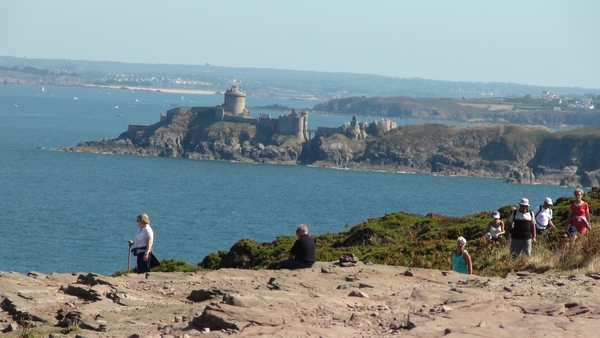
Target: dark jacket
304 249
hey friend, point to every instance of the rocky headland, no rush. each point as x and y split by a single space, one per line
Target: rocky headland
520 154
328 300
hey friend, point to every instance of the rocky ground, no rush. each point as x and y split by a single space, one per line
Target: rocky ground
325 301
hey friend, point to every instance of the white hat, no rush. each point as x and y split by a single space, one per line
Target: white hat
524 201
496 215
548 201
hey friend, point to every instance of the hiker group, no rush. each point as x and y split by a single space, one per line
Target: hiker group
523 226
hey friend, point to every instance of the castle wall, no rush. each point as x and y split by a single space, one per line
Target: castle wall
294 124
177 111
240 119
219 114
265 121
134 128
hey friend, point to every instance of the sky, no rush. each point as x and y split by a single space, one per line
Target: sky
545 43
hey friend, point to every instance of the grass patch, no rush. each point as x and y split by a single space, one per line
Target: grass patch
166 265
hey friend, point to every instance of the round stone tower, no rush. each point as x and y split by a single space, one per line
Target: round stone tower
235 100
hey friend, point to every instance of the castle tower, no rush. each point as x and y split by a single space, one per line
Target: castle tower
235 101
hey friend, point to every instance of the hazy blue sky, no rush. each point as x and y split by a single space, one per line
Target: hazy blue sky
551 43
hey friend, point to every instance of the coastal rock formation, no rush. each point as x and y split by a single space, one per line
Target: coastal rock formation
197 133
519 154
327 300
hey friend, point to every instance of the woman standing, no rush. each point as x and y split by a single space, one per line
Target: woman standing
579 214
495 228
141 246
461 261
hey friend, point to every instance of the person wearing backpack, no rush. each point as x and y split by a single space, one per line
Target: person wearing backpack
521 226
543 217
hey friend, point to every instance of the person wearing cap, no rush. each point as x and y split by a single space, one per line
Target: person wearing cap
303 253
543 217
461 261
521 227
495 228
579 215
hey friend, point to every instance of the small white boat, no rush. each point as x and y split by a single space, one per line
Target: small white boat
116 107
75 98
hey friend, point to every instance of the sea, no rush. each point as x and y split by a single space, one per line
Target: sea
74 212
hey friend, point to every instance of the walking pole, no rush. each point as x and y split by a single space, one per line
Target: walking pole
128 257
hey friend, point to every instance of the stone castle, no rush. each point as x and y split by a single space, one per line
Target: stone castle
234 109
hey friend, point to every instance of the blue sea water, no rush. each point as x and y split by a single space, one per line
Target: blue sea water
74 212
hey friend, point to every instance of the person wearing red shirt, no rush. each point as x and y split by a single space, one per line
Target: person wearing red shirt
579 215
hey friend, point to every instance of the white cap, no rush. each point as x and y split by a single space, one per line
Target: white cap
524 201
548 201
496 215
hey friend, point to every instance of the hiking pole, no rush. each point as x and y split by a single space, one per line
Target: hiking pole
128 257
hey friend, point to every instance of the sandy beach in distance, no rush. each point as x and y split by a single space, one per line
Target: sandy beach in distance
164 90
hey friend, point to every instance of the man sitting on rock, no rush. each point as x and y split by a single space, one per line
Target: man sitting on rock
303 252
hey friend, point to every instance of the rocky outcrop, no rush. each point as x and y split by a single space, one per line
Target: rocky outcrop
522 155
327 300
192 133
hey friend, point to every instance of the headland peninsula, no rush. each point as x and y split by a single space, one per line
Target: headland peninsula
520 154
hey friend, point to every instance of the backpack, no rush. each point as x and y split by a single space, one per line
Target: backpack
514 215
539 211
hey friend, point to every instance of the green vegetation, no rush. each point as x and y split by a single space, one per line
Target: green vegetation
427 241
413 240
166 265
280 139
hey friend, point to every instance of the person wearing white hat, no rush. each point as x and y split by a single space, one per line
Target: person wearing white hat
495 228
461 261
521 227
543 217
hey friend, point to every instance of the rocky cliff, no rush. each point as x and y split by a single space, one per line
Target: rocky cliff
519 154
193 133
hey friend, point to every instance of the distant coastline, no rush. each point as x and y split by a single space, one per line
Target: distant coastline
153 89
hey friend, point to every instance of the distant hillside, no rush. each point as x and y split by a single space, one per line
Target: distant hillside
284 83
526 110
